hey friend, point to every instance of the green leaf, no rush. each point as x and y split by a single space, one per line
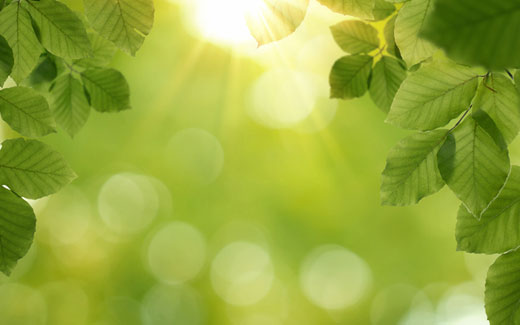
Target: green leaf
6 60
123 22
272 20
382 9
473 166
432 96
26 112
355 36
408 26
502 296
32 169
103 52
387 76
108 89
17 227
357 8
389 33
44 73
498 97
498 231
477 32
16 28
69 104
349 76
411 171
61 32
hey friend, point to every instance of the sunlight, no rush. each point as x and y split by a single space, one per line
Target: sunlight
224 21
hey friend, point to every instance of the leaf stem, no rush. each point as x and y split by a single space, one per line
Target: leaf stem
461 119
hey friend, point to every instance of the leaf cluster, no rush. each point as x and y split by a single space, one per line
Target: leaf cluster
446 69
57 63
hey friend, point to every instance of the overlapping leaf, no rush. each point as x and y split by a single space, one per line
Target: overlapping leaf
6 60
387 76
433 96
477 32
389 33
349 76
69 104
32 169
26 111
355 36
108 89
498 231
356 8
61 31
123 22
272 20
473 166
503 290
16 28
382 9
17 226
411 171
408 27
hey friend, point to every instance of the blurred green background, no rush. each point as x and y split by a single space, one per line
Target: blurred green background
236 192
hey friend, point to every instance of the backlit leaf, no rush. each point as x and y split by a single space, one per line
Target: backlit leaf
355 36
108 89
387 76
349 76
356 8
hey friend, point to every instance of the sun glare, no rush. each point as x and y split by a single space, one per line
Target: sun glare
224 21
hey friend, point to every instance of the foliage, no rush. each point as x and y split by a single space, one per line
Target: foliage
442 68
58 59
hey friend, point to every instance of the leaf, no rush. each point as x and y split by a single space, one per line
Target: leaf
357 8
61 32
26 112
32 169
503 290
498 231
123 22
408 26
17 227
389 33
69 104
498 97
411 171
477 32
432 96
108 89
44 73
16 28
387 76
382 9
6 60
473 166
349 76
102 52
272 20
355 36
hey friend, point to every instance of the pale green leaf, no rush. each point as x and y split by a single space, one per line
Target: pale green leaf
6 60
473 166
16 28
411 171
477 32
108 89
349 76
17 227
502 296
69 104
357 8
272 20
123 22
387 76
432 96
61 32
498 231
408 26
355 36
382 9
498 97
103 52
32 169
26 111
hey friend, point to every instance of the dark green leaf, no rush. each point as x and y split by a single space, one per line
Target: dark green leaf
349 76
391 47
108 89
6 60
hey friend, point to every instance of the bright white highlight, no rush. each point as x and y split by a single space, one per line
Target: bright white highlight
334 278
